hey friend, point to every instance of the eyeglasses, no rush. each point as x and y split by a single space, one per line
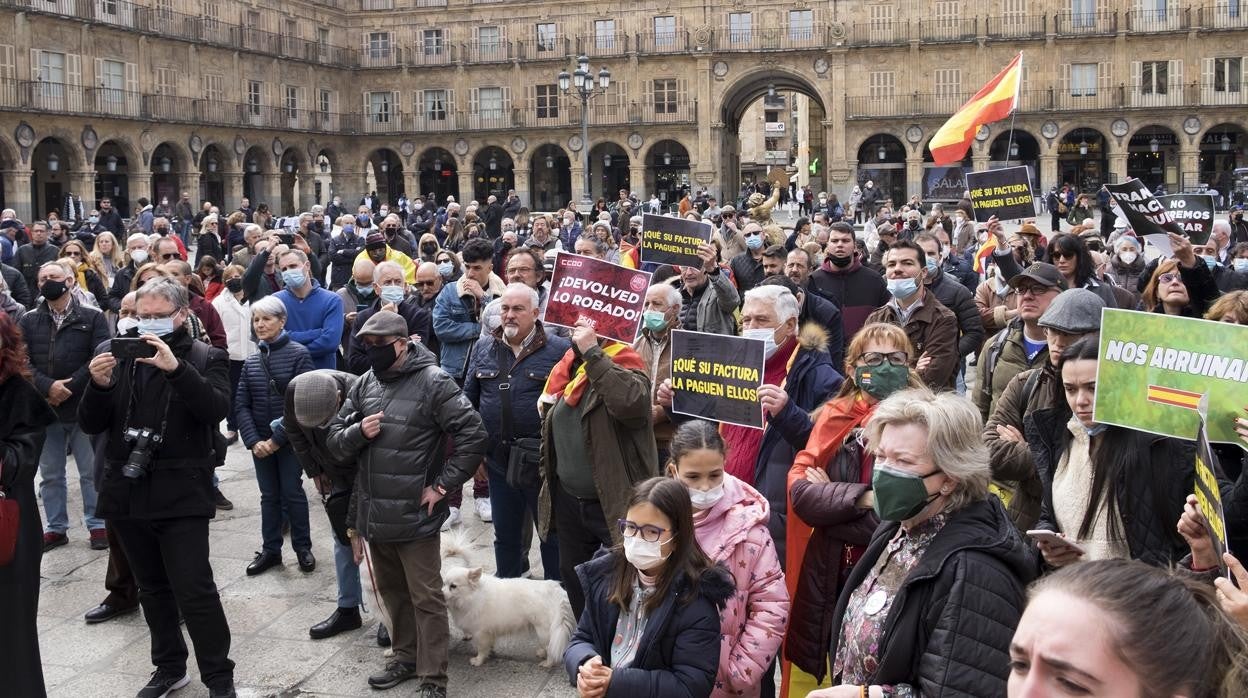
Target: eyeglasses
149 318
753 234
422 284
1058 254
77 255
1033 290
1169 278
646 532
170 255
520 270
876 358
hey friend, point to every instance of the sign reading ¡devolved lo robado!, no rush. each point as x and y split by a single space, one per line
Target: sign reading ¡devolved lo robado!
717 377
668 240
606 295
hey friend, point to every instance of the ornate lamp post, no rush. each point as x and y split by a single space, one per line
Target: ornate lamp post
581 84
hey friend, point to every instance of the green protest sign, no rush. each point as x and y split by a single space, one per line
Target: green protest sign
1154 369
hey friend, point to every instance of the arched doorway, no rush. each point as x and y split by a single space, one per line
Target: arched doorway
493 172
772 131
385 175
550 178
212 163
1153 158
608 171
255 168
943 183
667 170
438 175
166 164
324 178
112 176
1221 152
293 180
50 164
1021 149
1082 161
882 161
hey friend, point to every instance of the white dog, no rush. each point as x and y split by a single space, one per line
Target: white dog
487 608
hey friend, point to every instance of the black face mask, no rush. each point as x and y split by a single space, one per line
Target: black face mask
382 357
234 285
841 262
162 231
428 249
53 290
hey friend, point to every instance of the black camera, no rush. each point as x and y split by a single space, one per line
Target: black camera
144 441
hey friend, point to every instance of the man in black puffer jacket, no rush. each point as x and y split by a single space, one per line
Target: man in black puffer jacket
396 422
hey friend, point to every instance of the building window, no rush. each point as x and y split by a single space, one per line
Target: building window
435 105
292 101
167 81
325 102
547 36
664 30
1083 13
881 17
547 101
322 37
881 84
665 96
489 38
948 82
801 24
1083 79
378 4
604 34
379 45
432 42
1228 74
254 88
490 102
379 107
214 87
739 27
1155 77
211 12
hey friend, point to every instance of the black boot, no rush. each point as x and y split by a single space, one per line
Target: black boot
383 635
262 562
342 620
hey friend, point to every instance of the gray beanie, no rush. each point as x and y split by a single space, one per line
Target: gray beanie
315 398
1074 311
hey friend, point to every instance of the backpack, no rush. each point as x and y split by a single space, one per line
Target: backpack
200 353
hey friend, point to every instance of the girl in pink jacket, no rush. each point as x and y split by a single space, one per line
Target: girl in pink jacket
730 522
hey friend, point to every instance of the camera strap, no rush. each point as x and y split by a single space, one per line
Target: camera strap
164 414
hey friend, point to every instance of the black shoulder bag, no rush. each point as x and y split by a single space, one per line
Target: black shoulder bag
524 455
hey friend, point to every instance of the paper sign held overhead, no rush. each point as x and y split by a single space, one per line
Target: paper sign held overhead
669 240
717 377
606 295
1193 213
1004 193
1146 215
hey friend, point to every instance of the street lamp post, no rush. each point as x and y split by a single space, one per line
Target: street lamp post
581 84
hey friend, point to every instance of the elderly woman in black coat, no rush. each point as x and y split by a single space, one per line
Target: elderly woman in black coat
21 439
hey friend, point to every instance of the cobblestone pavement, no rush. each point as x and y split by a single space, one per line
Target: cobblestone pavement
269 617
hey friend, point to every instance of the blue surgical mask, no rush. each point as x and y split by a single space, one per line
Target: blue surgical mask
392 294
445 269
903 288
1241 264
754 242
1210 260
161 326
931 267
94 219
654 321
365 291
293 278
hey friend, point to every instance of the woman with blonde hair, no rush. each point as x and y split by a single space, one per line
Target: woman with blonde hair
90 279
1182 285
107 256
1231 307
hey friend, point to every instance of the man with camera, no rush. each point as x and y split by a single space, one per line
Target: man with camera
158 397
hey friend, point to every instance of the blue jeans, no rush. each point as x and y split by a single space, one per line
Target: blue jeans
509 505
281 491
52 488
349 592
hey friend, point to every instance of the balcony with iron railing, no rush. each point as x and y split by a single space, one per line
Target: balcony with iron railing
1015 26
1224 15
487 51
880 33
431 54
380 57
662 42
948 30
556 49
1168 19
603 45
1100 23
790 38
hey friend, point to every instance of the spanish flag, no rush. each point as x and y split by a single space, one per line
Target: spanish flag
993 102
1174 397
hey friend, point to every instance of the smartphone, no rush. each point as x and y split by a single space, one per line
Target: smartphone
360 307
286 238
123 348
1055 539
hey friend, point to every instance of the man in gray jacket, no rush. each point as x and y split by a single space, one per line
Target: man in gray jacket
396 421
708 298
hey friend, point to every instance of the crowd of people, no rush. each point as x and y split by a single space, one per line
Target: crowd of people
927 390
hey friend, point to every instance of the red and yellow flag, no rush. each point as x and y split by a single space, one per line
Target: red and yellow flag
993 102
1173 397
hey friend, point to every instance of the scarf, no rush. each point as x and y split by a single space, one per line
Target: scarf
569 383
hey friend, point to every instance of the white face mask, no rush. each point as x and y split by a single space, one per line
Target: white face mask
767 335
705 499
1127 257
126 324
139 256
643 554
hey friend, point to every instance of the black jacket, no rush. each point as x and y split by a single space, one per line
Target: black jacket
29 258
16 282
423 408
343 250
419 322
262 387
420 222
679 650
948 631
121 285
824 313
111 221
191 404
311 444
954 296
63 353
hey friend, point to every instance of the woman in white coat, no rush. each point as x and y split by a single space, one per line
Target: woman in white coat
235 315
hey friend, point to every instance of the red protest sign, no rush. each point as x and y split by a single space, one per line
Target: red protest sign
608 295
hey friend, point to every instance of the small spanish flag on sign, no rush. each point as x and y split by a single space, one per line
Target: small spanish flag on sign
993 102
1173 396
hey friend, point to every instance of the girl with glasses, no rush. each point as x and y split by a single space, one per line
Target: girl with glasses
651 622
1182 285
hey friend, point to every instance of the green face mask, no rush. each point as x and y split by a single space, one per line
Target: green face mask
654 320
881 381
899 495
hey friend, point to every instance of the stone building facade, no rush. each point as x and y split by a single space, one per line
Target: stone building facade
290 101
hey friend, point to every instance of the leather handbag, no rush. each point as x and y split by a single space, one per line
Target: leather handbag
10 522
336 506
524 455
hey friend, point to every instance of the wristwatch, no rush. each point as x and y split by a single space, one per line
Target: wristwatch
440 490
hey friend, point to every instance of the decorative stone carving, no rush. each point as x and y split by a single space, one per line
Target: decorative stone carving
89 138
460 147
519 145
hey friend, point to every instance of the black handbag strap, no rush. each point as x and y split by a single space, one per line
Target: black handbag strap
506 362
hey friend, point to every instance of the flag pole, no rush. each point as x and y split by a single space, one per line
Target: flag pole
1018 88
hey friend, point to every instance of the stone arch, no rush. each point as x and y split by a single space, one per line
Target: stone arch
887 173
10 158
70 147
181 156
135 159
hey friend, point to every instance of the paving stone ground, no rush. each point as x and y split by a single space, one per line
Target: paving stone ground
269 617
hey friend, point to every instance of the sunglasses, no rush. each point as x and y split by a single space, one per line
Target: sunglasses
1058 254
753 235
171 255
1033 290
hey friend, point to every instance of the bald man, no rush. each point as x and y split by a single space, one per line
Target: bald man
428 286
358 293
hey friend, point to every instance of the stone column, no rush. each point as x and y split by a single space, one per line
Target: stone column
578 179
637 180
82 183
349 186
411 182
17 192
467 187
914 178
187 182
1189 164
232 186
270 191
1117 161
305 191
522 183
1048 171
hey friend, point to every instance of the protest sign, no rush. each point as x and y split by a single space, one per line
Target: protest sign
668 240
1154 368
717 377
1004 193
1146 215
1208 497
608 295
1193 212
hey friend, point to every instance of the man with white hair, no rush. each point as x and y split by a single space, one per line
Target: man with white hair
392 293
492 217
137 255
660 314
519 347
1220 238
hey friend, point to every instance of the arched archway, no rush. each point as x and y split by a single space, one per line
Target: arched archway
1221 152
166 163
762 139
943 183
438 175
1020 149
324 165
608 171
114 162
294 183
212 164
1082 160
1153 158
667 170
550 178
51 164
493 172
882 161
256 166
384 175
